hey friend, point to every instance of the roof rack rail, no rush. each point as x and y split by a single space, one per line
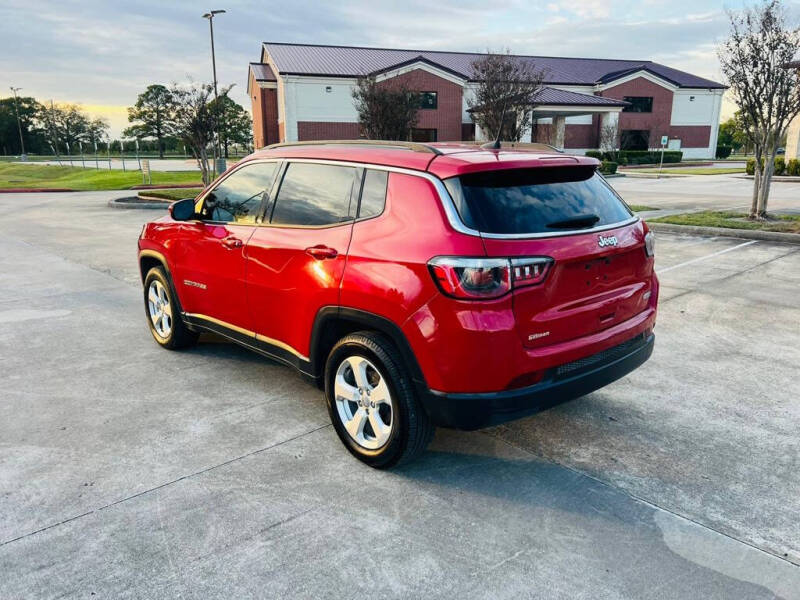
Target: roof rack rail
414 146
521 146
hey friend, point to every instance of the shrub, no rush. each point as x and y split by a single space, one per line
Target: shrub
781 166
647 157
724 151
608 167
594 154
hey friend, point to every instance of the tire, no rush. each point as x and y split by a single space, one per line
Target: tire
363 374
163 312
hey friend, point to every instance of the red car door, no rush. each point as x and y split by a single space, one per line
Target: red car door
210 254
295 264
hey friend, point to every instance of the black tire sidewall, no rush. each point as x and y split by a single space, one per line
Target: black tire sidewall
392 450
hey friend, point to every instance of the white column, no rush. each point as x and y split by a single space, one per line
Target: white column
479 134
560 123
793 140
608 119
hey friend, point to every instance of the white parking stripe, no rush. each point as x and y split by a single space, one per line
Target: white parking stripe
712 255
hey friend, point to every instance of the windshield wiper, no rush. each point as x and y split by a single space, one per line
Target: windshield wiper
579 222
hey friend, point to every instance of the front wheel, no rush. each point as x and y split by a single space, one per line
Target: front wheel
163 315
372 403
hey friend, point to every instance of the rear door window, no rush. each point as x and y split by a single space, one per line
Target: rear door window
539 200
314 195
373 194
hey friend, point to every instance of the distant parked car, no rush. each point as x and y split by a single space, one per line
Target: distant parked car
418 285
780 151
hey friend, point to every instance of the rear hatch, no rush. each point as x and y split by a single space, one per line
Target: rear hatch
600 274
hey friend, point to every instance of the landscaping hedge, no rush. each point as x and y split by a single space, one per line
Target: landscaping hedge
637 157
608 167
724 151
646 157
781 166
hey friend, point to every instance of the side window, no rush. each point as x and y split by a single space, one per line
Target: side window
373 194
238 197
312 194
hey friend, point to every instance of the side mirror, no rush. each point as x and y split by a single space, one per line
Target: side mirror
182 210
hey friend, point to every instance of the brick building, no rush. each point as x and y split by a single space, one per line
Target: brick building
304 92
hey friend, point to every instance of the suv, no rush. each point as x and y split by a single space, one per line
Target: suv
418 285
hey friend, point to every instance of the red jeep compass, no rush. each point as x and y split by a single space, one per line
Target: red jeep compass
419 285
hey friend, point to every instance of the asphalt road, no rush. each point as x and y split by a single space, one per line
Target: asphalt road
127 471
709 192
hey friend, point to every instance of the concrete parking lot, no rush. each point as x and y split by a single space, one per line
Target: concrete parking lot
130 472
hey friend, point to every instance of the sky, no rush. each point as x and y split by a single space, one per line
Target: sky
103 54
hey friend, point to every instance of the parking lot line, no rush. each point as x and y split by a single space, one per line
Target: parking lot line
707 256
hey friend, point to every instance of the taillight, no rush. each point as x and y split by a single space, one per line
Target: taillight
650 244
477 278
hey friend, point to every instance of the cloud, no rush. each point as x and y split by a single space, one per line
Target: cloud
105 53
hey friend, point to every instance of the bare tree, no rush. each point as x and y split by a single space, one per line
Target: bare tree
192 120
753 60
505 97
609 139
386 110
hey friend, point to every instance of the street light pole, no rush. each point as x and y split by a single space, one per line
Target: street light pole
14 90
218 160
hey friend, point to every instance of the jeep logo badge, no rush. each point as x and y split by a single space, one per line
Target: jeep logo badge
604 241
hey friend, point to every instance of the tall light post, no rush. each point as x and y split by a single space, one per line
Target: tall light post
14 90
219 161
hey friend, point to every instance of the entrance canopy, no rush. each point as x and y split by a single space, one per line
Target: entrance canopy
556 104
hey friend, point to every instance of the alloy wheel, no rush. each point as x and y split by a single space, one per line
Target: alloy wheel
364 402
159 308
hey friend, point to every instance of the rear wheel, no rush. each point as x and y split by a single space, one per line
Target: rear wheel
163 315
372 403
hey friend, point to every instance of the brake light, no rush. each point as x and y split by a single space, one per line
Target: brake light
479 278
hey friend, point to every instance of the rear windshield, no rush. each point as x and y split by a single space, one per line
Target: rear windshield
540 200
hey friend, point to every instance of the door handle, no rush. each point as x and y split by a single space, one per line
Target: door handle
232 242
321 252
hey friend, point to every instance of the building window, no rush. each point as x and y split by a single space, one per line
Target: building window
639 104
423 135
428 100
634 139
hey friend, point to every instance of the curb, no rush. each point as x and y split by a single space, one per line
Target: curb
778 178
127 203
664 175
34 190
745 234
173 186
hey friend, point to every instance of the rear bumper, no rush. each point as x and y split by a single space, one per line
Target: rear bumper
560 384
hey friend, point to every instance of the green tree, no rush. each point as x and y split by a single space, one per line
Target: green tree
151 115
733 132
97 131
30 121
235 125
386 111
68 123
